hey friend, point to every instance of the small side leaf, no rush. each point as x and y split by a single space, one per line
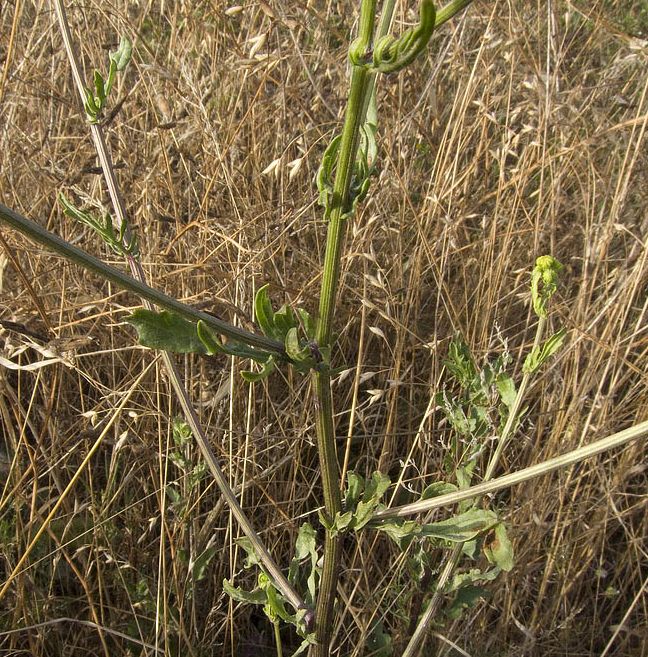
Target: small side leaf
308 322
199 566
498 548
506 388
539 355
256 597
166 330
461 528
436 489
266 370
264 312
466 598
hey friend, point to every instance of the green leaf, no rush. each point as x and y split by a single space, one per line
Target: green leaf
464 477
466 598
267 369
460 363
342 522
401 532
166 330
294 349
275 607
379 642
469 577
499 549
455 415
284 320
355 486
308 322
376 487
264 312
100 89
540 354
209 340
461 528
305 547
506 388
90 105
174 494
123 54
181 431
436 489
256 597
199 566
252 557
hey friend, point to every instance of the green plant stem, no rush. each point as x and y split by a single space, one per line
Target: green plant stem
430 614
279 580
277 636
358 101
444 14
360 93
49 240
512 418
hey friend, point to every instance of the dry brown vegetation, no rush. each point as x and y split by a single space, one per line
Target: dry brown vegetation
522 132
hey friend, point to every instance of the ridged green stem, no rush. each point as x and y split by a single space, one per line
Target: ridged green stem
358 101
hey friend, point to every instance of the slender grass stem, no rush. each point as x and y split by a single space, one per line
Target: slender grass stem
191 416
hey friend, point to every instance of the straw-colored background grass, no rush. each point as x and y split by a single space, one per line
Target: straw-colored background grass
521 132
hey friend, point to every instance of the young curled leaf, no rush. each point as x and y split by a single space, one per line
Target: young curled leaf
544 282
284 321
325 177
363 169
296 352
308 323
100 89
122 55
392 54
209 340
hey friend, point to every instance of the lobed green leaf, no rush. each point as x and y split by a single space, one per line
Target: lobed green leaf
166 330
